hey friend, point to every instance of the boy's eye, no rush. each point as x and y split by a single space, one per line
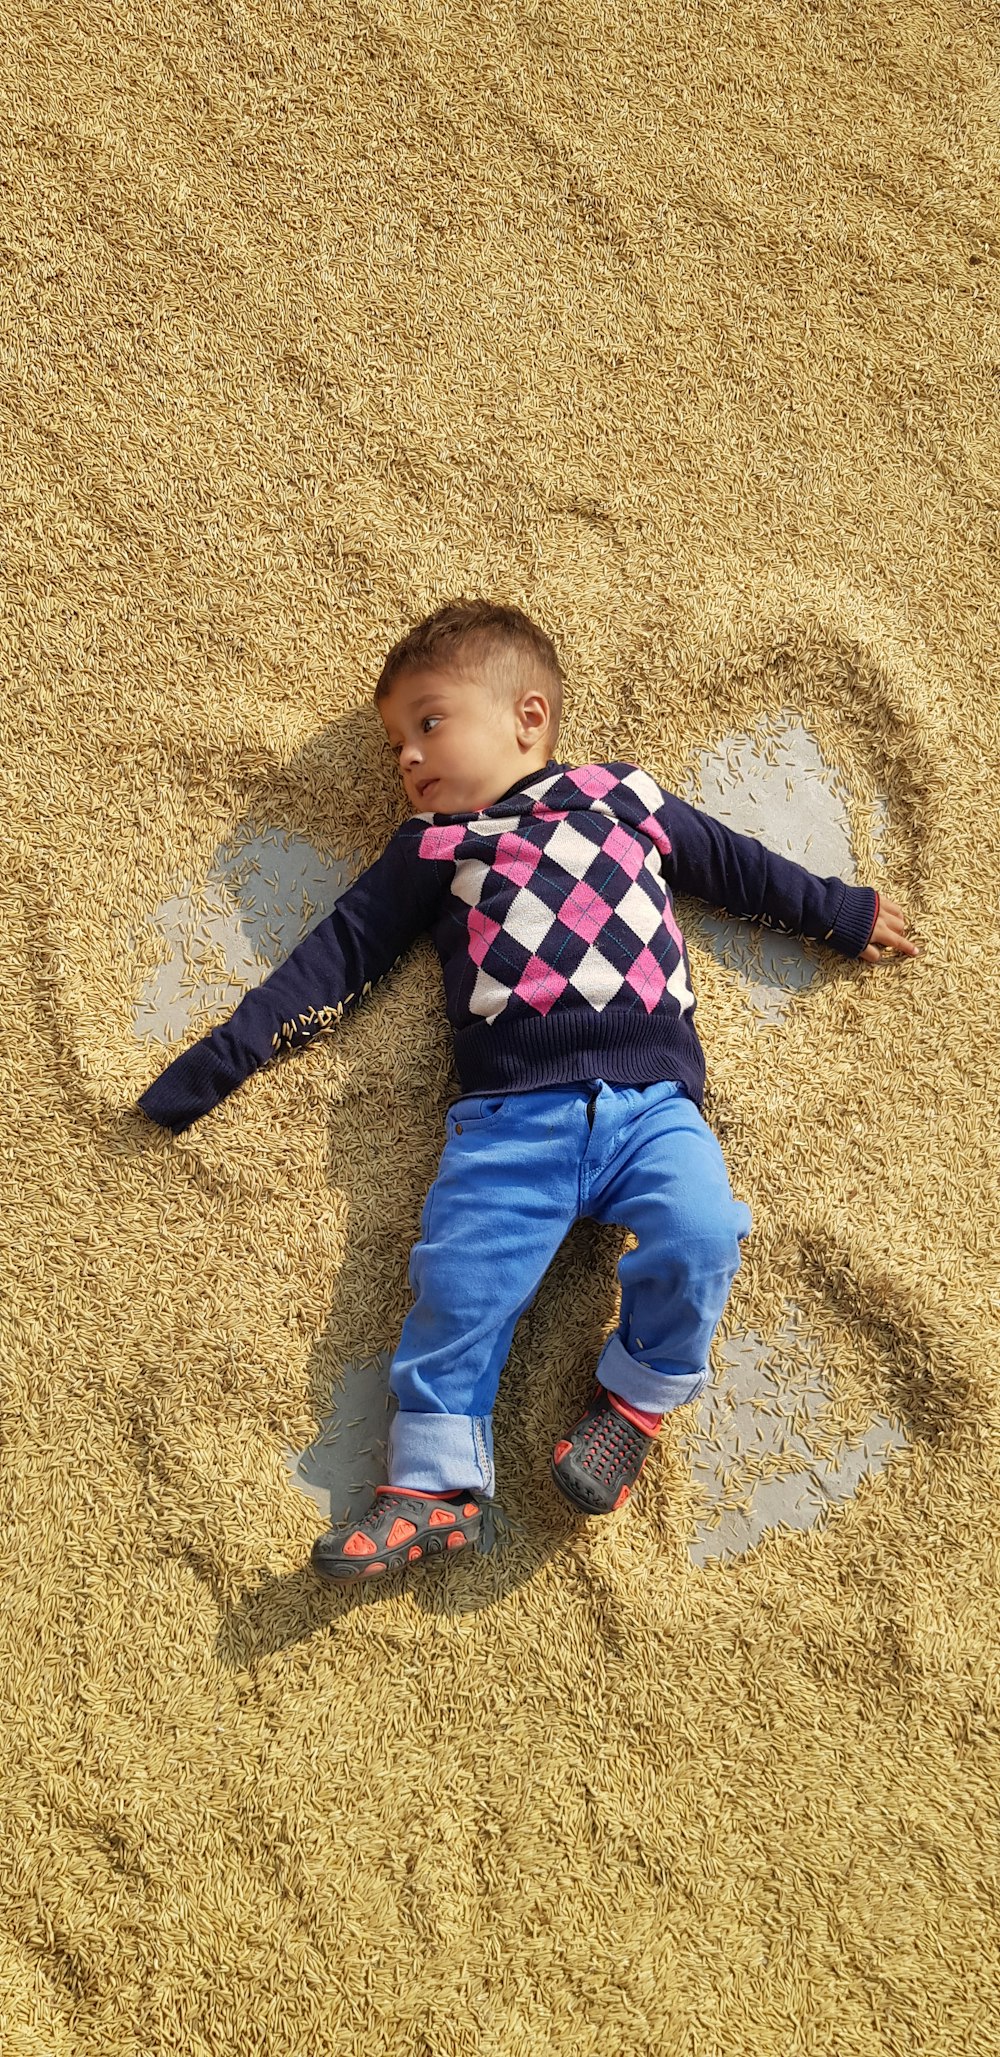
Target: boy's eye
428 721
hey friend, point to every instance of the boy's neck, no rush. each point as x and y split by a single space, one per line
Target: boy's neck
536 771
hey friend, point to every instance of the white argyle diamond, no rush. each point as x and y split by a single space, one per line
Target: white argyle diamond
467 880
678 987
641 914
489 998
528 919
574 852
645 789
596 980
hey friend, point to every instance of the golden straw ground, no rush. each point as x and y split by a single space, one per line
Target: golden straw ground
677 328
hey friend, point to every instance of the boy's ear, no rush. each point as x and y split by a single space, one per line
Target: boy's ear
534 715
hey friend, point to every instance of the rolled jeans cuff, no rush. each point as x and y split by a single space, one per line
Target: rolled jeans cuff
441 1453
655 1392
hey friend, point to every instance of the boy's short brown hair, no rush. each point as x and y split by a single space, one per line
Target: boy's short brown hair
514 652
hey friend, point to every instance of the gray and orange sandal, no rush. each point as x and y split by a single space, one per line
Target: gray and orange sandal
597 1464
403 1527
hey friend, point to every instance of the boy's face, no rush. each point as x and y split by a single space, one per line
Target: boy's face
458 745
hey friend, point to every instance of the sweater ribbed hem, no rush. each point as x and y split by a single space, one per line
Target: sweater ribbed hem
567 1047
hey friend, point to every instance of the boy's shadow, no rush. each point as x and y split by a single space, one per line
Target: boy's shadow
342 790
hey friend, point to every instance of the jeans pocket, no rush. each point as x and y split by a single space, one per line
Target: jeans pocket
475 1111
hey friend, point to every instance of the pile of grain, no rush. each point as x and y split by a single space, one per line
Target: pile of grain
678 328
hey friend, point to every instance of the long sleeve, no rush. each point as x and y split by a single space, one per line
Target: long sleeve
373 923
740 874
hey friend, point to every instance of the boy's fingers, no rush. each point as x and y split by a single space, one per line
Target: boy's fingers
894 937
886 943
890 931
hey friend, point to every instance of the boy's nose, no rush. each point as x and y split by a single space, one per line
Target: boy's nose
409 756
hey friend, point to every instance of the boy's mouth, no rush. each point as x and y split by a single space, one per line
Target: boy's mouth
426 786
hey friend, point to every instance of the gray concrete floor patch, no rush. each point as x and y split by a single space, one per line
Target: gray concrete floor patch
340 1470
263 893
764 1452
777 786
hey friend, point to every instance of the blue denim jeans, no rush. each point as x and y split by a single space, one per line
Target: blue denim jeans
515 1173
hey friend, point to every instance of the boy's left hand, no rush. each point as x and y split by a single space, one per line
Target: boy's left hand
889 933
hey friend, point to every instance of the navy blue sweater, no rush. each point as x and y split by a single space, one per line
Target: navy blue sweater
552 914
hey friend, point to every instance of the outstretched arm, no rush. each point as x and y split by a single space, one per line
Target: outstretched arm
378 918
741 875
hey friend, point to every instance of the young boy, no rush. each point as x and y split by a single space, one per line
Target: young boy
547 889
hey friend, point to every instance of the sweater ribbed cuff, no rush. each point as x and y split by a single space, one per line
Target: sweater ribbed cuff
855 920
190 1087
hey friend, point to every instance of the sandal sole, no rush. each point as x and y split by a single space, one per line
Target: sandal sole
426 1542
582 1506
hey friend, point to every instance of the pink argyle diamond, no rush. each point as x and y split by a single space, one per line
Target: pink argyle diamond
516 858
657 834
585 912
543 813
540 985
647 978
481 933
625 850
437 843
593 779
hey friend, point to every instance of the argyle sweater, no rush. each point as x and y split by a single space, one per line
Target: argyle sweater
552 913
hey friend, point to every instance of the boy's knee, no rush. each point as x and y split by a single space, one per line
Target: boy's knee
716 1252
706 1232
